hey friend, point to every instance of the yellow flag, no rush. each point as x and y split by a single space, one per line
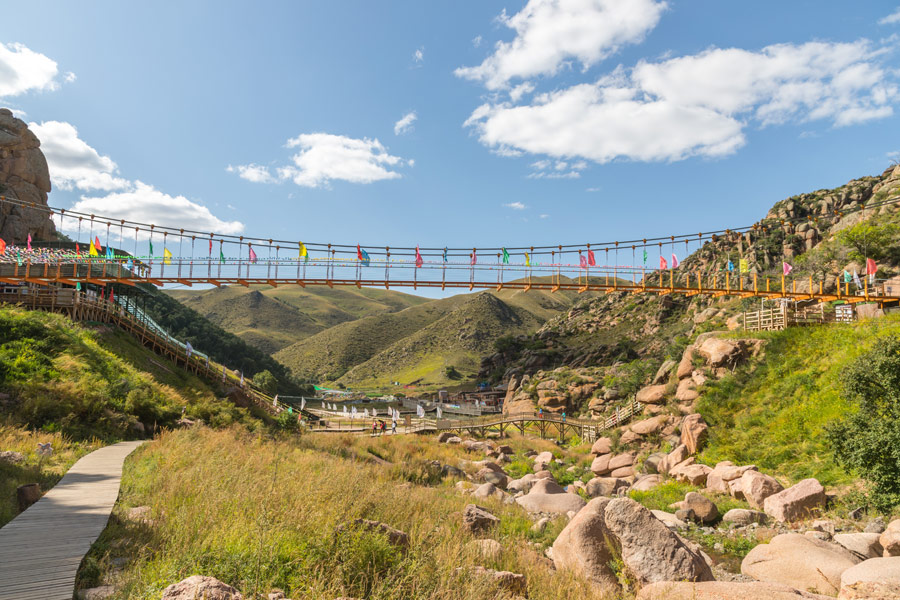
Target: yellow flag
93 250
744 266
527 260
303 253
167 256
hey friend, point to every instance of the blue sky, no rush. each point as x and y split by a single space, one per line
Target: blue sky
541 122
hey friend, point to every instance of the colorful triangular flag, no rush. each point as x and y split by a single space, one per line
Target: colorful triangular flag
662 263
167 256
419 260
674 261
582 261
505 257
29 242
527 260
302 252
252 253
786 268
591 261
473 258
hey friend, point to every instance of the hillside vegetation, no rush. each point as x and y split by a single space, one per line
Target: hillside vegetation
94 382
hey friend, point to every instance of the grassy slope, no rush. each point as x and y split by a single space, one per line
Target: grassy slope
280 530
94 382
772 413
273 318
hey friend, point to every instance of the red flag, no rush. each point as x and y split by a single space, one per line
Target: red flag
583 261
111 297
358 252
77 249
674 261
662 263
418 258
591 260
2 245
210 245
29 242
252 254
97 243
870 266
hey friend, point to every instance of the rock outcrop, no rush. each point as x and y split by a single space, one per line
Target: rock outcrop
24 176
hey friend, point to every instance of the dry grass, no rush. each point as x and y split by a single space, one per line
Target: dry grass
47 472
260 513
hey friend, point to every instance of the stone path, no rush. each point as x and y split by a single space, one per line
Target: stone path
41 549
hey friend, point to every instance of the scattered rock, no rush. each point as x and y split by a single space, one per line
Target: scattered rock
646 483
546 496
668 519
605 486
477 519
874 578
622 472
621 460
454 440
694 474
507 450
444 436
600 465
890 539
652 394
489 549
487 490
694 431
651 425
651 463
662 374
800 501
540 525
544 475
523 484
585 545
687 391
685 514
11 458
676 456
723 590
492 476
703 507
756 487
395 536
97 593
864 545
506 580
686 366
451 471
743 516
875 526
602 446
649 550
800 561
198 586
719 352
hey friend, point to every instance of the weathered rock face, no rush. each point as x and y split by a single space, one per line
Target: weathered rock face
864 545
198 586
605 486
756 487
650 551
724 590
742 516
703 508
799 561
890 539
24 176
694 431
547 497
873 578
477 519
585 545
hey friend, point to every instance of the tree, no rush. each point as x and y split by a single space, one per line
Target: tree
452 373
868 440
265 381
869 241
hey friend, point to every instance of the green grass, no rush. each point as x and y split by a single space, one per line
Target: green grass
260 513
773 413
660 497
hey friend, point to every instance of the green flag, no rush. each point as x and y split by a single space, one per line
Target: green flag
645 256
19 257
78 286
221 256
505 257
290 410
151 248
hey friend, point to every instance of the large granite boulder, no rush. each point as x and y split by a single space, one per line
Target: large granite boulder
801 501
800 561
874 578
890 539
198 586
546 496
650 551
694 432
476 519
756 487
864 545
586 546
605 486
724 590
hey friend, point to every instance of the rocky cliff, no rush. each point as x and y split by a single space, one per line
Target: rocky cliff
23 176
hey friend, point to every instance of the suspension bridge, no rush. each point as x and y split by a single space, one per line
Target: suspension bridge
164 256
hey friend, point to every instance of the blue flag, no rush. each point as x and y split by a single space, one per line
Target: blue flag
109 253
445 254
365 258
730 266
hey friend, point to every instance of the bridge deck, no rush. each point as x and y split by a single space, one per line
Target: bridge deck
42 548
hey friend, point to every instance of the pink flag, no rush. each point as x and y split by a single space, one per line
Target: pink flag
870 266
252 255
418 258
29 242
662 263
474 257
591 260
583 261
786 268
674 261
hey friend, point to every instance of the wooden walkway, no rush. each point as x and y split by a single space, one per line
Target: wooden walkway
41 549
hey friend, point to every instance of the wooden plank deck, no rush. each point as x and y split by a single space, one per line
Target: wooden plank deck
41 549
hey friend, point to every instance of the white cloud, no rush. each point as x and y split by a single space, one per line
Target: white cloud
252 172
891 19
70 77
592 189
405 124
23 70
515 206
695 105
324 157
521 90
476 41
145 204
544 216
419 54
72 162
549 33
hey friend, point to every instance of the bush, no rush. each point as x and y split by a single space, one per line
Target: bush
868 441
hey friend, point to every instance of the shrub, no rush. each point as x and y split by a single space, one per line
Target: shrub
868 441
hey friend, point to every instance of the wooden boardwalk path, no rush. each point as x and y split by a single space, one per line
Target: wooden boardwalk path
41 549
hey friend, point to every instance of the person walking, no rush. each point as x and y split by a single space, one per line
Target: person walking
374 427
393 426
382 426
541 413
564 416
